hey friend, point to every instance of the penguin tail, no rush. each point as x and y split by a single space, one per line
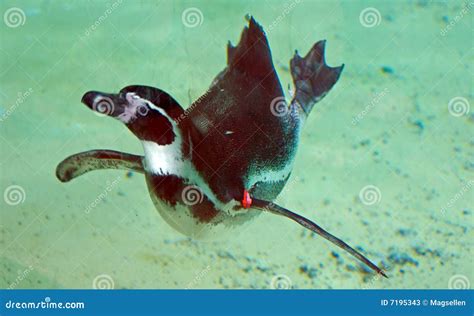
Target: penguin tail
312 77
252 55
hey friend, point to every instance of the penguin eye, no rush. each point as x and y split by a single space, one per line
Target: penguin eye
143 109
137 104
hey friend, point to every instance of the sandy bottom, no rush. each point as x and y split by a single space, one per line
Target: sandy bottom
386 126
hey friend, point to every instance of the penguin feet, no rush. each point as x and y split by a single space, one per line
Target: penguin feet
312 77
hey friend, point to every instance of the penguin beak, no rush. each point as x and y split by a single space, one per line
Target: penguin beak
88 97
104 103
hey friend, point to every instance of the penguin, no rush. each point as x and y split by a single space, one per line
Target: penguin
224 160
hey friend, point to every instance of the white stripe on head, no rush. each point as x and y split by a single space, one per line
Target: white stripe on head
138 106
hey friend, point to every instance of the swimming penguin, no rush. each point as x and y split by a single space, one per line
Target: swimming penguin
226 158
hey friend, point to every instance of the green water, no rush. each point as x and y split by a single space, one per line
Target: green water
397 124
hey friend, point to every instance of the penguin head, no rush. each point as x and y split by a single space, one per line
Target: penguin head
148 112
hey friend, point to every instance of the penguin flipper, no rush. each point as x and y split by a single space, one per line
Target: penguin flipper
78 164
306 223
312 77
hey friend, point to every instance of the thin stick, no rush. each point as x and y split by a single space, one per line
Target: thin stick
278 210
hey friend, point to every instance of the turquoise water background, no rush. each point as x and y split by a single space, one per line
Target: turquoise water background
386 160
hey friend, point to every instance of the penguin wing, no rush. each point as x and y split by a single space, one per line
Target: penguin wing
78 164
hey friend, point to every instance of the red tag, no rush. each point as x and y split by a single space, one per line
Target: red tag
246 200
